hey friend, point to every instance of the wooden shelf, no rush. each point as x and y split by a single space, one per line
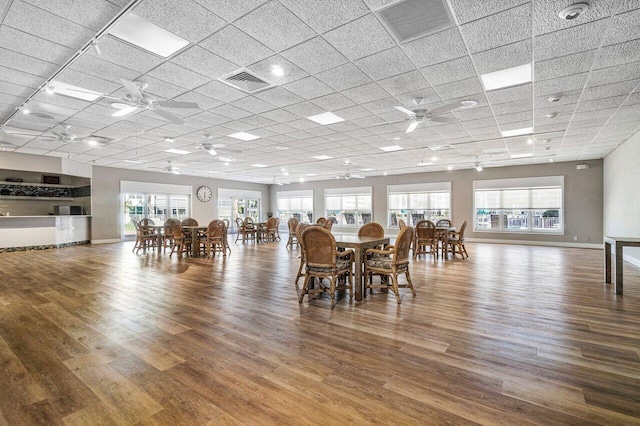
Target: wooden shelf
28 197
45 185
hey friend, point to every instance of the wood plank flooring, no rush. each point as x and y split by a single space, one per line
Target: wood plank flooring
513 335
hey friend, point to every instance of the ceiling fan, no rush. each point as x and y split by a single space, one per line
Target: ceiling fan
348 176
63 135
168 168
215 148
420 113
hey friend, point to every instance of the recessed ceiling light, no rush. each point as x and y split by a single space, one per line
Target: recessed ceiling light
301 180
468 104
450 168
554 98
178 151
168 139
282 148
74 91
277 70
322 157
434 158
148 36
391 148
522 155
573 11
259 165
97 142
530 141
551 160
50 89
326 118
243 136
25 110
425 164
311 174
440 147
552 115
507 78
517 132
396 139
367 170
134 161
385 173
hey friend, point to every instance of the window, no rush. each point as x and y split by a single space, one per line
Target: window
348 206
519 205
298 204
415 202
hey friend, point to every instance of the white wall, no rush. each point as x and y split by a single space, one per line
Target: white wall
621 206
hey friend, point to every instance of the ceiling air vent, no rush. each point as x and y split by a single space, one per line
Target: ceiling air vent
245 80
410 19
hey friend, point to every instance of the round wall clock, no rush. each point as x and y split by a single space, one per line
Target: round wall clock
204 194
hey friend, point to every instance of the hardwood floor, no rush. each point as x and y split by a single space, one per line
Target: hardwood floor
513 335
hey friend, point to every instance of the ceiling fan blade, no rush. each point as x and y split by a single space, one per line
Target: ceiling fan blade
412 126
131 89
177 104
12 133
406 111
168 116
443 119
445 108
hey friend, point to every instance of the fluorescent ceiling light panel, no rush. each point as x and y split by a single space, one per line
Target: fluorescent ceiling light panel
65 89
124 111
425 164
367 170
506 78
391 148
522 155
322 157
244 136
259 165
326 118
517 132
178 151
134 161
148 36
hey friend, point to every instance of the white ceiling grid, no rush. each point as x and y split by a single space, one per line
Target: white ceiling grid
336 55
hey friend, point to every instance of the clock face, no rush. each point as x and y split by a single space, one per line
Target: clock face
204 194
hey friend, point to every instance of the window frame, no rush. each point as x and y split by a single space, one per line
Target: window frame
360 215
429 212
285 215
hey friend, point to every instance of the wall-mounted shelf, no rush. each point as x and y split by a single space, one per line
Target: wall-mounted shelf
27 197
46 185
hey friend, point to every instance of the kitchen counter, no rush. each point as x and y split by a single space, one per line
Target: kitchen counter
42 232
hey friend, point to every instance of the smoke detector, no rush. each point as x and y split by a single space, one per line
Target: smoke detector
554 98
552 115
573 11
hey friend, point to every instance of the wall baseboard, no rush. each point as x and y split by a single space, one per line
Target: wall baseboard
537 243
115 240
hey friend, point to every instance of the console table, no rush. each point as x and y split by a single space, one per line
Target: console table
619 244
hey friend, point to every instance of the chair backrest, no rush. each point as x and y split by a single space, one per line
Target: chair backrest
239 224
371 229
226 223
328 224
401 224
272 223
146 222
176 229
167 227
248 221
293 224
402 245
301 227
216 228
321 220
319 246
136 225
443 222
425 229
189 222
462 228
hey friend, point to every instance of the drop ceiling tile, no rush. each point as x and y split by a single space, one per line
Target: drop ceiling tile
450 71
518 117
614 74
362 37
353 113
220 91
204 62
275 26
27 64
618 54
327 14
545 17
309 88
178 76
304 109
382 106
624 27
404 83
385 64
462 88
479 123
230 111
85 81
333 102
512 107
503 57
609 90
236 46
46 25
156 87
523 93
560 85
571 40
45 50
343 77
15 89
315 55
253 104
280 115
195 21
290 71
126 55
93 14
471 10
474 113
564 65
204 102
514 25
279 97
365 93
435 48
230 10
93 65
281 128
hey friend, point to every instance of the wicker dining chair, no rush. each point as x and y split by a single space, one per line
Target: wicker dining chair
182 243
292 224
145 238
441 223
321 220
226 234
244 233
215 238
391 262
456 239
401 224
328 224
167 235
189 222
299 229
425 236
323 261
270 231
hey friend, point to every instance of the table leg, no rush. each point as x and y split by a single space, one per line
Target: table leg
358 275
607 262
619 261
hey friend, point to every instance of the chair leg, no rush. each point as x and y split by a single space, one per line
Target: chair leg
410 283
394 287
300 269
305 286
332 291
